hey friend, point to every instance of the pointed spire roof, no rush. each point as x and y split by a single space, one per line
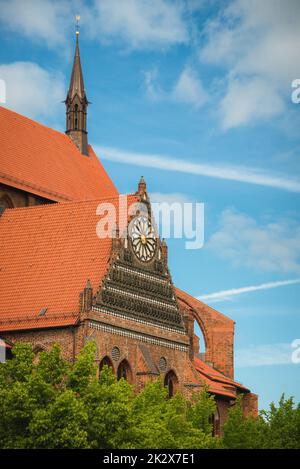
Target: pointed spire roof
76 83
142 187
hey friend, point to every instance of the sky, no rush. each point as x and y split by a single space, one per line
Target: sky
196 96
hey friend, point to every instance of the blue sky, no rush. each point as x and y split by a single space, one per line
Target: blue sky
205 82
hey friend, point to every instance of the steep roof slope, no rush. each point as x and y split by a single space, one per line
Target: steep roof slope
47 253
217 382
46 162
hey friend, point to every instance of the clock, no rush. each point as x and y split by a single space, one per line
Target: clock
143 238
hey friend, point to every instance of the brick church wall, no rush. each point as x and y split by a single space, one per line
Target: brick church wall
131 349
19 198
223 406
250 405
218 333
46 338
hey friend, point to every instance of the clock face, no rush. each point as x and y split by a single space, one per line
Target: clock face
143 238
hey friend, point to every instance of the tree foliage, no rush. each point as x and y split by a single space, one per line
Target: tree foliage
47 402
278 427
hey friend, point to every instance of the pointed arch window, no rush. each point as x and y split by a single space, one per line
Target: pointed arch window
106 361
171 383
124 371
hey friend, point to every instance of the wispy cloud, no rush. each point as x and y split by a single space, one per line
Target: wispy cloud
136 24
272 246
233 173
264 355
225 295
140 23
32 90
255 43
169 197
248 101
188 88
39 20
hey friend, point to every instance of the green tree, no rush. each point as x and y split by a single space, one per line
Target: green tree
283 425
240 432
201 410
166 423
47 402
278 427
61 424
37 409
108 403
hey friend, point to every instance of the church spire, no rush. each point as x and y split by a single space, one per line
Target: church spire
76 103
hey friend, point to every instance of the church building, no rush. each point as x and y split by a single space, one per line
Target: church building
62 283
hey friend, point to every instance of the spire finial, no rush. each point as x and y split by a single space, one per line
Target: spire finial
77 18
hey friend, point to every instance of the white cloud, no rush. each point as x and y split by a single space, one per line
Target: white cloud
225 295
273 247
249 101
152 87
264 355
188 89
140 23
170 198
232 173
32 90
42 20
257 44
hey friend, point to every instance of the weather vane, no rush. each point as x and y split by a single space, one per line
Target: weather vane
77 18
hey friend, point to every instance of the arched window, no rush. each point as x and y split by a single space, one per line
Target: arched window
106 361
5 202
124 371
171 383
199 341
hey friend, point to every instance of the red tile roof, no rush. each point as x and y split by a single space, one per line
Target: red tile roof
47 253
45 162
216 381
